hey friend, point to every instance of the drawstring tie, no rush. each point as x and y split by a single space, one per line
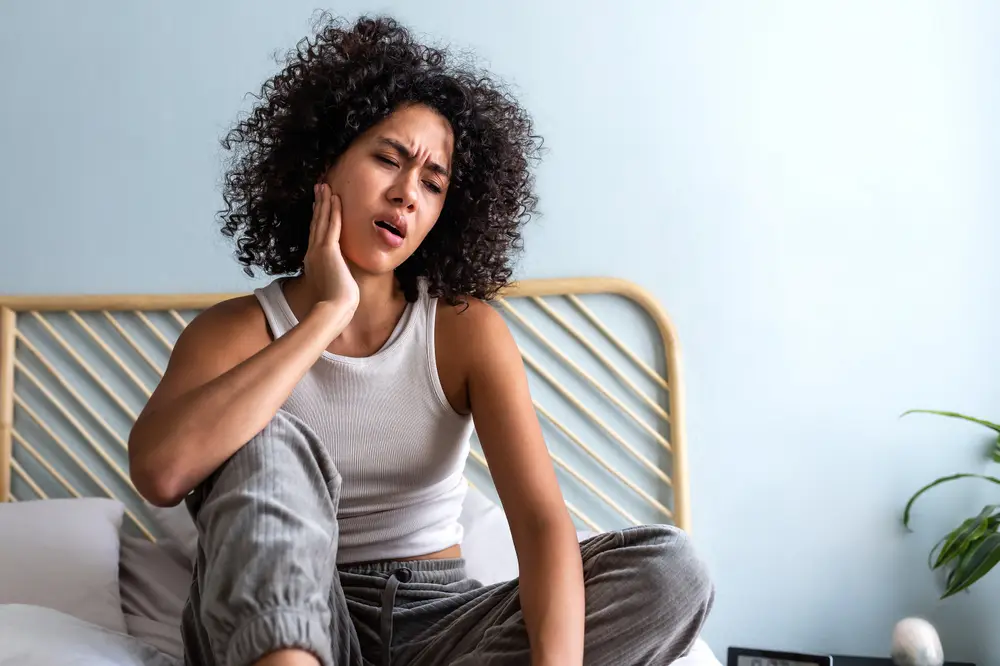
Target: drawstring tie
401 575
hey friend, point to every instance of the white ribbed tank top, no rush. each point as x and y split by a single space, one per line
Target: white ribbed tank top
399 446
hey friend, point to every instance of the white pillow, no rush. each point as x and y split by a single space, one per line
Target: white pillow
487 545
700 654
63 554
35 636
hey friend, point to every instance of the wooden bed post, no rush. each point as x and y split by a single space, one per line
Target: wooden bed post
8 320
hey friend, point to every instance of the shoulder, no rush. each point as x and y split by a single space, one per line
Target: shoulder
217 340
233 328
231 316
470 326
476 338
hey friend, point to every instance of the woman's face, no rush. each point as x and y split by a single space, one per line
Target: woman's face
392 182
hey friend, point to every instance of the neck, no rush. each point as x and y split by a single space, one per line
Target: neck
381 299
381 302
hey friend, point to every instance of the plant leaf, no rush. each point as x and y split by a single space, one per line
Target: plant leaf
975 564
943 479
954 543
996 451
930 555
954 415
947 582
959 539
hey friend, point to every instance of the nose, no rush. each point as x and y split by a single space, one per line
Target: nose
404 191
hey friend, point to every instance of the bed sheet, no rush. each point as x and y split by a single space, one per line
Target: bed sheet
36 636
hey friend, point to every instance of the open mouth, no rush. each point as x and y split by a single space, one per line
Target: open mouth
388 227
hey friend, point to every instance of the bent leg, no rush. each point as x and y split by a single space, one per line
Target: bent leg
647 597
267 546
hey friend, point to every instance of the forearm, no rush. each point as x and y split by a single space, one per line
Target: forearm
552 594
175 447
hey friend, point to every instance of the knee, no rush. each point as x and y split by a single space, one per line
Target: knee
284 466
285 430
668 568
285 447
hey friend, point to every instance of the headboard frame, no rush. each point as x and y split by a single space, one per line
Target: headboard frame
75 371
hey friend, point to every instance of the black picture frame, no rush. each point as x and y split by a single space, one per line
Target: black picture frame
736 652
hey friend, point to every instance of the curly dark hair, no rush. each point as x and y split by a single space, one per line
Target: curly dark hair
336 86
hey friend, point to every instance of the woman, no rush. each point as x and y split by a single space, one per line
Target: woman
318 428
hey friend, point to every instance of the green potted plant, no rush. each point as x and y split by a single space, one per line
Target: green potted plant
972 549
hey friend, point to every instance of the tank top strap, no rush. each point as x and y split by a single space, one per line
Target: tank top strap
427 307
272 302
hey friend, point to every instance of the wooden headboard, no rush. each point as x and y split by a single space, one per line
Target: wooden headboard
602 357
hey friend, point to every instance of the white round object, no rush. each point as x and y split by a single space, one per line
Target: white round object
915 642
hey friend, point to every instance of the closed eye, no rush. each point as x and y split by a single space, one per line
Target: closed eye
429 184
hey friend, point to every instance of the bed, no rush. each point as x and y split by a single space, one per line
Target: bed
88 569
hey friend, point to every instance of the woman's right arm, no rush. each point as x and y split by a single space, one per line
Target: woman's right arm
205 409
221 388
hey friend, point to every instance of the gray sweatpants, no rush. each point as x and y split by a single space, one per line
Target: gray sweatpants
266 578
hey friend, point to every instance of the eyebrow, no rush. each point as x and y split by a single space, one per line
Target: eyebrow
405 152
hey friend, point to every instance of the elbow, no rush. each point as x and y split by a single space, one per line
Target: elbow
158 487
160 492
544 530
158 482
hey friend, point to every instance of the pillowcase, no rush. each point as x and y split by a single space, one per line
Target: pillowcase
63 554
176 527
155 578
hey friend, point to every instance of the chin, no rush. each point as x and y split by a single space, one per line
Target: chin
376 267
371 261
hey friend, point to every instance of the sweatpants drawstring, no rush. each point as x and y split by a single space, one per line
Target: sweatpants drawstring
401 575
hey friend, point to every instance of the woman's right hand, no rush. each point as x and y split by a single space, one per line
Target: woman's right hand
325 269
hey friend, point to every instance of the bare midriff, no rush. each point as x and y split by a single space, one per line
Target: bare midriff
451 552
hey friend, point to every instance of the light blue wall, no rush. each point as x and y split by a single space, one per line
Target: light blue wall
810 188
